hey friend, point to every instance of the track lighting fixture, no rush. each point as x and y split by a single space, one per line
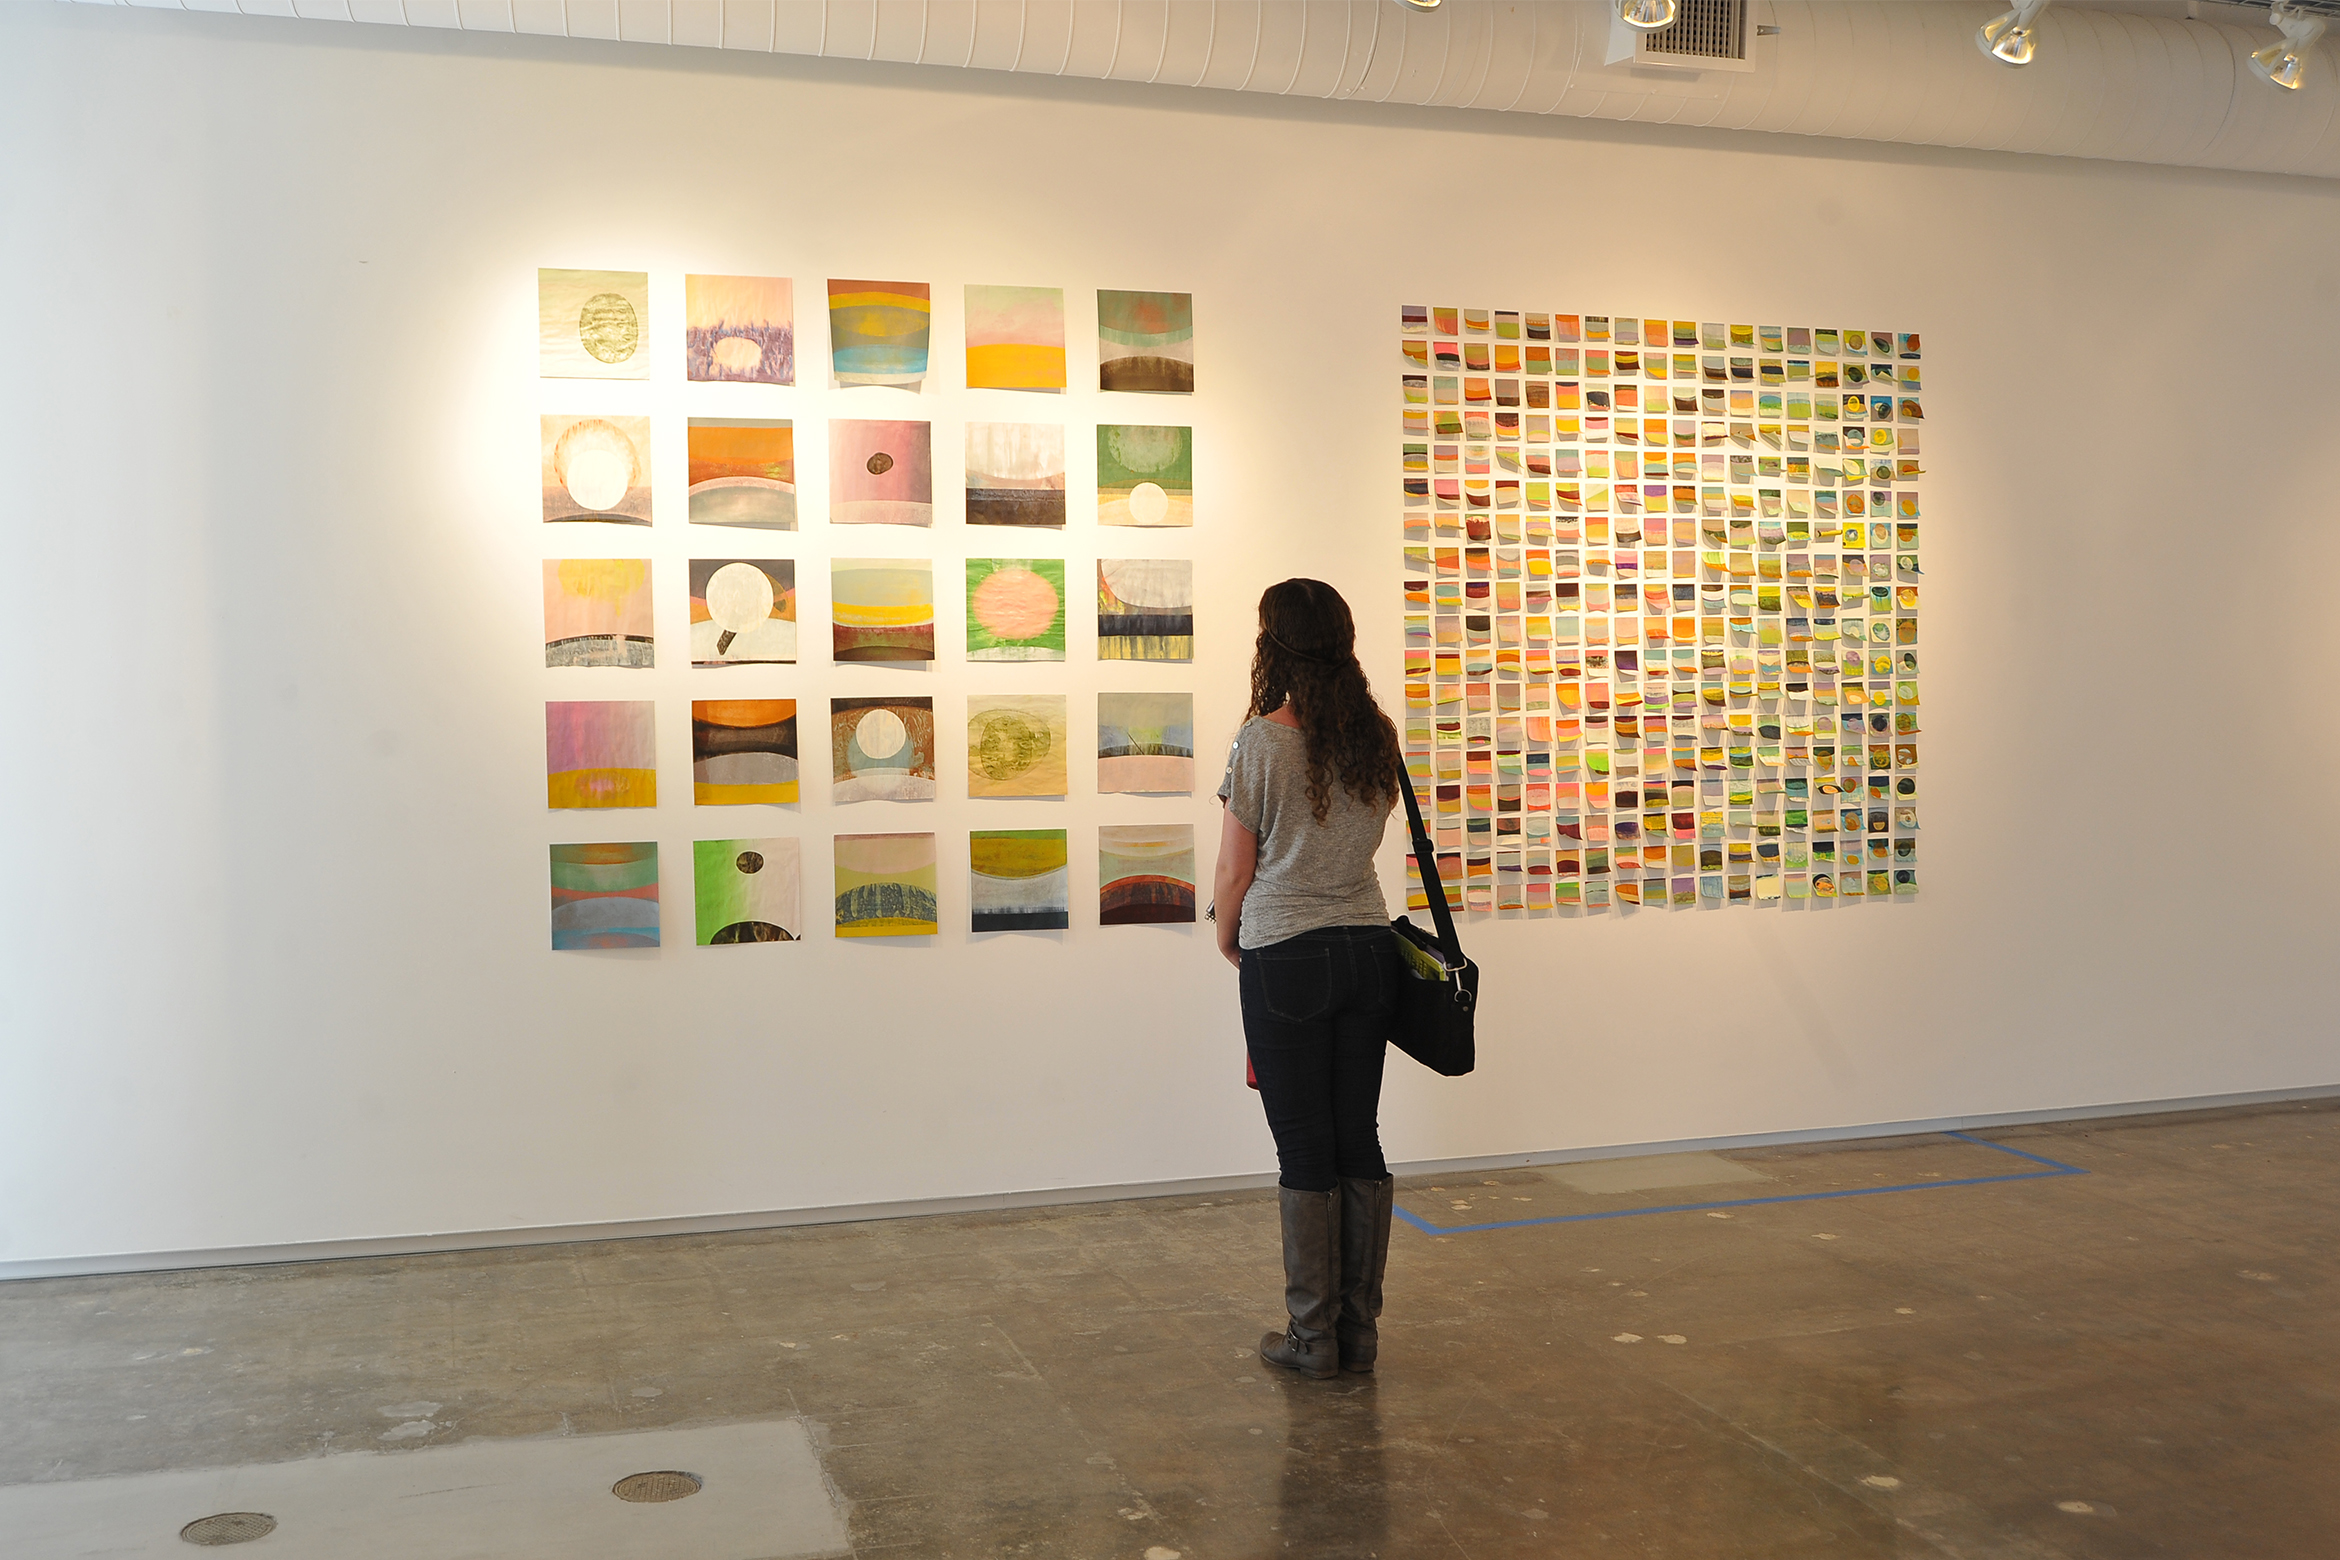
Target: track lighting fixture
2007 38
1647 15
2285 61
1419 5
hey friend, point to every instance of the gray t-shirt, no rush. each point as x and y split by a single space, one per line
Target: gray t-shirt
1310 874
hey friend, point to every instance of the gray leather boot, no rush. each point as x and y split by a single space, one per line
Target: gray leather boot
1312 1284
1365 1209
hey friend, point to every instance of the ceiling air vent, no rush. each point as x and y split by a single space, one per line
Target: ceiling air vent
1705 35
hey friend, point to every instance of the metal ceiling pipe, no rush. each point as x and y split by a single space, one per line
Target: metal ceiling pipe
2106 84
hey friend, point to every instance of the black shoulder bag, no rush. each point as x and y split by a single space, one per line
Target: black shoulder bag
1439 1000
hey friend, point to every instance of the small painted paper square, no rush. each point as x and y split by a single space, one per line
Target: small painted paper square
878 333
1145 475
743 610
881 473
1016 744
1015 474
881 749
881 609
740 327
592 324
1145 873
1145 609
1145 743
596 468
597 612
743 472
1015 609
600 753
1015 338
605 896
743 751
1145 342
1019 880
747 891
885 885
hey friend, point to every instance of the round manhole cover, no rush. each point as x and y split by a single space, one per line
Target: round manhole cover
666 1485
229 1527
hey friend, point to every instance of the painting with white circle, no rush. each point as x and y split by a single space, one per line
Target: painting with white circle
743 610
596 468
1145 475
881 750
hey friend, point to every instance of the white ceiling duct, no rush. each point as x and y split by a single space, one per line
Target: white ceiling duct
2110 84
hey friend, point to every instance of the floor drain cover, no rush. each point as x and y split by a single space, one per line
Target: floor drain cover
667 1485
229 1527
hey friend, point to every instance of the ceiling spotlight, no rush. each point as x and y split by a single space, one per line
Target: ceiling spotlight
1647 15
2007 38
2283 63
1419 5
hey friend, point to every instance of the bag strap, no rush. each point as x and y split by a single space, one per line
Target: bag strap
1426 860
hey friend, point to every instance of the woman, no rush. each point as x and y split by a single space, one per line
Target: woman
1310 783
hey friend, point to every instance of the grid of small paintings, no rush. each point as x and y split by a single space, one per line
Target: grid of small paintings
874 471
1662 595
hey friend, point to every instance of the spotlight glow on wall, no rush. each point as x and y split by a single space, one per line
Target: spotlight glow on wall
1647 15
2284 62
2007 38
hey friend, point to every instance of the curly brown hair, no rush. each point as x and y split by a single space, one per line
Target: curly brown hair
1307 655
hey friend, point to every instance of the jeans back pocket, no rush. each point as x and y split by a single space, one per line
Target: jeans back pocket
1295 984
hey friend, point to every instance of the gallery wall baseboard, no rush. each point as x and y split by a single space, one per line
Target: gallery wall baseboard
1069 1196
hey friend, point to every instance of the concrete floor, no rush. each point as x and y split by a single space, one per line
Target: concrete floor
2140 1360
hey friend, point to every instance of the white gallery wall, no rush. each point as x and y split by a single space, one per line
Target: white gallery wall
276 961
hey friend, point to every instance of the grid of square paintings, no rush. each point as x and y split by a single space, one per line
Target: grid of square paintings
876 471
1661 608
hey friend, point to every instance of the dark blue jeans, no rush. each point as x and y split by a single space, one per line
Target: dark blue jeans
1317 1015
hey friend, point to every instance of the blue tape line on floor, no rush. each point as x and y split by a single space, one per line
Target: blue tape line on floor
2055 1170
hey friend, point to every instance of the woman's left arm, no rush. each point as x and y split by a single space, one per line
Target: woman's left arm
1230 881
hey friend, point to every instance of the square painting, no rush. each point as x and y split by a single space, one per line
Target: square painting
1145 342
747 890
1145 873
597 612
1016 744
885 885
881 750
592 324
881 473
740 327
1015 338
1145 475
1145 609
605 896
743 610
1015 609
878 333
597 468
600 753
743 472
1015 474
1019 880
1145 742
882 609
743 751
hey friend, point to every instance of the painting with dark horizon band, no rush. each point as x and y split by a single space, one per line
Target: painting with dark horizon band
1019 880
1145 342
743 751
1145 609
1145 873
882 609
597 612
1015 474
